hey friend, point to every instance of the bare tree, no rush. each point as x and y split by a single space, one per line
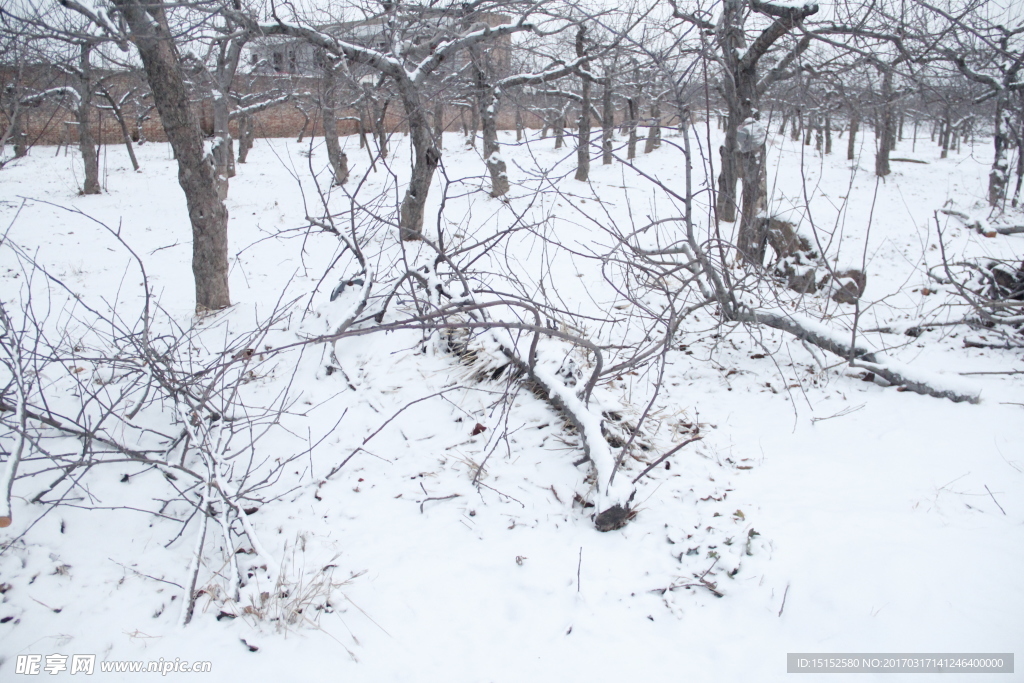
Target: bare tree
409 76
742 87
147 27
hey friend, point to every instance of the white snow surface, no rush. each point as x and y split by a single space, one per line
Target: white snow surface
834 515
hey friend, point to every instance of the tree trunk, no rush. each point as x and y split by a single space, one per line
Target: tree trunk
425 160
653 141
631 148
86 141
1020 170
196 172
738 103
885 132
364 125
487 105
474 124
851 144
828 132
376 114
18 135
753 226
305 124
126 135
338 159
223 145
520 126
246 137
439 123
999 176
583 137
583 127
122 122
140 119
607 122
560 129
492 150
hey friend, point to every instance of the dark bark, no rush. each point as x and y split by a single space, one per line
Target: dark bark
380 112
487 105
220 82
305 122
998 177
851 143
753 228
886 130
474 127
86 141
492 150
583 135
439 123
364 125
426 157
141 116
18 135
559 127
1020 170
246 137
631 147
196 172
653 141
742 91
223 144
338 159
119 116
607 121
828 132
944 131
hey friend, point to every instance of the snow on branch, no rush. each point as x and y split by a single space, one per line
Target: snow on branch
259 106
913 379
98 16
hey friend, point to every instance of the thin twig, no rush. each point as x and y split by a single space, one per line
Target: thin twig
994 500
784 600
425 500
579 566
665 457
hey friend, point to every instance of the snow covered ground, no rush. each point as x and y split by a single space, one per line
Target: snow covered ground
831 514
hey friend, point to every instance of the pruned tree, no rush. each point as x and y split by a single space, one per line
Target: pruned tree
147 27
742 85
990 54
409 71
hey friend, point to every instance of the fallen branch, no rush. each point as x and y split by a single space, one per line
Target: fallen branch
894 373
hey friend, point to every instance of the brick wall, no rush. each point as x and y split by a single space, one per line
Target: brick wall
53 123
